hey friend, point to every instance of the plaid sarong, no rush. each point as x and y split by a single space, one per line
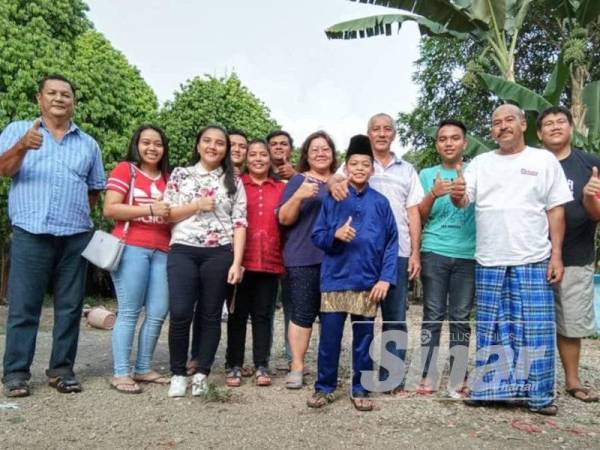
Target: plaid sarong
515 335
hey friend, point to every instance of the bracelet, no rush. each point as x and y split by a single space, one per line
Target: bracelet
433 194
151 212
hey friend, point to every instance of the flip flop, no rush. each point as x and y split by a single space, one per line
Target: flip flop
586 390
122 386
362 403
294 379
151 377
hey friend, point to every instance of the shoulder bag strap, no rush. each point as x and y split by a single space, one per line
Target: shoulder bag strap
130 197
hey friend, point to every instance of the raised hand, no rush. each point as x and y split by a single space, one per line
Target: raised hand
205 204
346 233
307 189
32 140
440 187
592 187
285 171
458 187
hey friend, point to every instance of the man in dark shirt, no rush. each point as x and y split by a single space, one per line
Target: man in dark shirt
574 295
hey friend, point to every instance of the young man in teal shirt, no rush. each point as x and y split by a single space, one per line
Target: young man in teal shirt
448 265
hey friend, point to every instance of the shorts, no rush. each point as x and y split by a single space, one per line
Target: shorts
574 300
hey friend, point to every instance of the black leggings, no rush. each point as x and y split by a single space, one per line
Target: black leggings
255 297
196 274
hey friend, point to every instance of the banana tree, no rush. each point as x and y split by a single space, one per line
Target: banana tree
495 22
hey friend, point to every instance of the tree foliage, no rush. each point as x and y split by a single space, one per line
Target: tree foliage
205 100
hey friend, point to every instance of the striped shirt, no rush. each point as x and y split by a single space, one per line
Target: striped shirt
49 193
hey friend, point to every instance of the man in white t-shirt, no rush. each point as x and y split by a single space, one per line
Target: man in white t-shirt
399 182
518 192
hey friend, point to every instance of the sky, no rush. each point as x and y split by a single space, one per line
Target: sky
279 51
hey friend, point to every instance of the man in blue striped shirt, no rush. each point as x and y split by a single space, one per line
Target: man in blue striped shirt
57 175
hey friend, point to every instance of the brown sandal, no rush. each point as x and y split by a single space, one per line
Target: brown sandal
151 377
320 399
126 386
589 395
262 377
233 377
362 403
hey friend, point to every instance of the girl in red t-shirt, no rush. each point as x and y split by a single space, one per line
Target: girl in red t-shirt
141 279
263 262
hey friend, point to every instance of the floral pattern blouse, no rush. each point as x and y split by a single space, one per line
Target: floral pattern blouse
205 229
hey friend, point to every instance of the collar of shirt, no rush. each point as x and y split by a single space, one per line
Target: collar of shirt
200 170
355 193
395 160
248 181
72 127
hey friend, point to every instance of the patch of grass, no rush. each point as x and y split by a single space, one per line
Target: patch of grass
217 394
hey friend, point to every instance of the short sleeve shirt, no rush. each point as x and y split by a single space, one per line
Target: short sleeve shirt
208 228
512 194
148 231
298 249
449 231
578 246
49 193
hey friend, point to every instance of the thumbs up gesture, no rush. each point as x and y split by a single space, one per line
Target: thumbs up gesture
440 187
346 233
592 188
458 188
285 170
32 140
307 189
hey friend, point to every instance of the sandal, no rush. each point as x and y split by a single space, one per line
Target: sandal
320 399
16 388
589 394
233 377
425 388
125 385
151 377
66 384
362 402
262 377
549 410
294 379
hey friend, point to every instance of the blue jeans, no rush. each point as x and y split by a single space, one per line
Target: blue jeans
448 292
393 309
330 344
140 282
37 259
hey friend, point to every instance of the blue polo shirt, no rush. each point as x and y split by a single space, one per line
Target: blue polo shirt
49 193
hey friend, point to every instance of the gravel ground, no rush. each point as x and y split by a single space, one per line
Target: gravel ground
270 417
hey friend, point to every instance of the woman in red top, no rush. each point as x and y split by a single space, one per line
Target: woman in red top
263 265
141 279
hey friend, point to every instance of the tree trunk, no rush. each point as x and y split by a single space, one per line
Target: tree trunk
579 76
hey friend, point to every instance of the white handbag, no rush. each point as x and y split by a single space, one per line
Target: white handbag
105 250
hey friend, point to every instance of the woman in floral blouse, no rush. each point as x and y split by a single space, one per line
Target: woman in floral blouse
208 208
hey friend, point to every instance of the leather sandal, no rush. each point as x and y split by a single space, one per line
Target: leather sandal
65 384
16 388
362 402
320 399
262 377
151 377
233 377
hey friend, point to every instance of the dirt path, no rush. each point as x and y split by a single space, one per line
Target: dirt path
270 417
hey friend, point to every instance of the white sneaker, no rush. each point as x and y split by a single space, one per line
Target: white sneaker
178 386
199 385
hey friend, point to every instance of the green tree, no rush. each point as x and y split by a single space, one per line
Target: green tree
205 100
41 37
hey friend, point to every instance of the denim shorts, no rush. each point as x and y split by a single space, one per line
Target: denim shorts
305 294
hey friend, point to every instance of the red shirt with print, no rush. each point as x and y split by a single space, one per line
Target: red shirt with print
263 241
148 231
